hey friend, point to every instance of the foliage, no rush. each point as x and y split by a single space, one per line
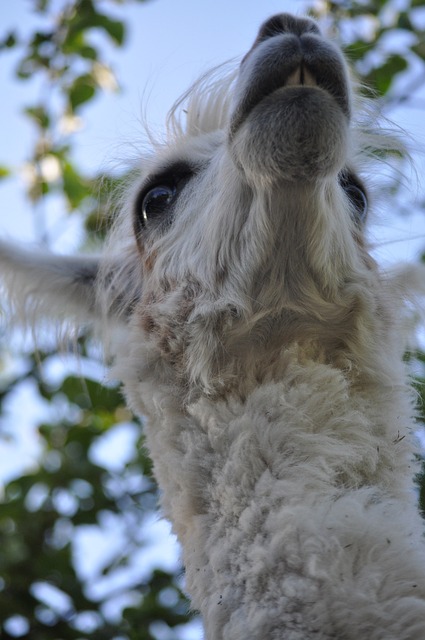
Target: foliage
67 493
373 33
69 64
45 594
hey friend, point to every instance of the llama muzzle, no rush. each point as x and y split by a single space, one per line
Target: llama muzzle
292 102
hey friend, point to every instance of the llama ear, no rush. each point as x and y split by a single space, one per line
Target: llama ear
41 284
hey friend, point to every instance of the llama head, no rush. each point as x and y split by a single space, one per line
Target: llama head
248 225
244 233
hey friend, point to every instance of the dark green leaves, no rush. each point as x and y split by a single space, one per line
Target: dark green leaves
8 41
381 78
45 512
85 17
378 58
82 90
72 69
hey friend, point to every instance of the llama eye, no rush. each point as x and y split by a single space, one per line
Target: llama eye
155 202
356 194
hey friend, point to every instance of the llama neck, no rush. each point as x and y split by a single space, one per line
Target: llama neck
312 240
265 493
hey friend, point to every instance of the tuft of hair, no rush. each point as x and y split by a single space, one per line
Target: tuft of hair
33 281
205 106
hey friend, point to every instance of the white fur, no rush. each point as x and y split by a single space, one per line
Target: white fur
265 347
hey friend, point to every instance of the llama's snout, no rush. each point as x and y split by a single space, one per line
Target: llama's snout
283 23
292 103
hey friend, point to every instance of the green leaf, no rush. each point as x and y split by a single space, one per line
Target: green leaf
382 77
39 115
75 186
114 28
88 394
9 41
75 43
4 172
404 22
357 50
419 48
88 52
82 90
41 38
88 18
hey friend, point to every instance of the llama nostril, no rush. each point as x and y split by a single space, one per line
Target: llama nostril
285 23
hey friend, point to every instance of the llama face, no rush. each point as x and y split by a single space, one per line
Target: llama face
244 233
248 226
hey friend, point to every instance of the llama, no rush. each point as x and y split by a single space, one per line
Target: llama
252 328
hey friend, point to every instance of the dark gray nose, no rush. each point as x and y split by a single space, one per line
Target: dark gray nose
286 23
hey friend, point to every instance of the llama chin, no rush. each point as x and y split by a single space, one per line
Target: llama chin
253 329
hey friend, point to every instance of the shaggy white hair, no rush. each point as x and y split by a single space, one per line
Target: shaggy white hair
265 346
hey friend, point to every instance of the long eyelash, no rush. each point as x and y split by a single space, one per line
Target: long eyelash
171 174
173 177
356 191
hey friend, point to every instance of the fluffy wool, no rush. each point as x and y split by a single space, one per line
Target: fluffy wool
252 328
